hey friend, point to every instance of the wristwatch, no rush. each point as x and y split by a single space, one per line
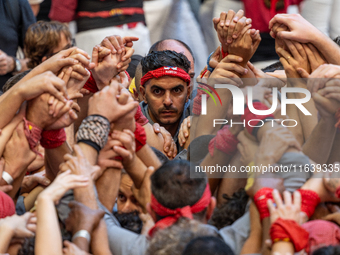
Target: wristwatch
18 66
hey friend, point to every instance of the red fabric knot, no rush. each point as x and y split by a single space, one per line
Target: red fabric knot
140 118
248 115
7 207
51 139
91 84
166 71
260 199
309 200
172 215
140 137
224 141
283 229
33 135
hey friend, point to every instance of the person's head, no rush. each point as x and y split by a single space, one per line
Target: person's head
208 245
44 39
173 188
328 250
126 201
178 46
166 95
174 239
229 211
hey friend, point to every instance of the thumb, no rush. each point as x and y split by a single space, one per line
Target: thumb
302 72
156 128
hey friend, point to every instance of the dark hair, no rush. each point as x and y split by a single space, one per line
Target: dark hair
271 68
13 80
130 221
158 59
337 40
172 186
328 250
234 207
157 46
207 245
135 60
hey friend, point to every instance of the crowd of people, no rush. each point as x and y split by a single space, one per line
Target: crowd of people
107 152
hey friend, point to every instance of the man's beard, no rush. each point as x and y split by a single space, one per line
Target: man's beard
130 221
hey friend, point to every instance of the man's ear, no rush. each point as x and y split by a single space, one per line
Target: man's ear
151 212
210 208
143 93
135 94
189 92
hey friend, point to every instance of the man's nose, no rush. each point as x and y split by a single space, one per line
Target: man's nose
167 99
129 207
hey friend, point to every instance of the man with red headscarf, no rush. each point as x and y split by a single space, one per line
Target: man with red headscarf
165 87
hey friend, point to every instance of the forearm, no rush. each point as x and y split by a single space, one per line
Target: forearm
6 234
148 157
108 186
318 146
100 241
48 235
335 151
328 48
10 102
265 235
136 171
82 243
55 157
31 197
282 248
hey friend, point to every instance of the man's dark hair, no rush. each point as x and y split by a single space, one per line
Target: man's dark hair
130 221
273 67
158 59
14 80
207 245
172 186
229 211
328 250
135 60
157 46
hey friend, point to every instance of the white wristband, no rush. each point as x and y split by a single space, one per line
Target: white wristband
7 177
82 233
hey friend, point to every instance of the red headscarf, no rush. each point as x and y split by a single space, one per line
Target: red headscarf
172 215
7 207
166 71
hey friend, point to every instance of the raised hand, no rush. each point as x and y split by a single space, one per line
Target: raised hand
288 209
169 146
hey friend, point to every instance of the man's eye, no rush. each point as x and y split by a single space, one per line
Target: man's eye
177 90
157 91
121 197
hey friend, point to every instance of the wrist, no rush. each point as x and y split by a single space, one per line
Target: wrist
11 64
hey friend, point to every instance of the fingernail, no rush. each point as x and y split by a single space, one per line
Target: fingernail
227 23
246 71
47 182
229 40
222 24
167 148
235 36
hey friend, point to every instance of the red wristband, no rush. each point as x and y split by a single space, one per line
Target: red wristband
248 115
91 84
51 139
260 199
33 135
224 141
309 200
289 230
140 137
